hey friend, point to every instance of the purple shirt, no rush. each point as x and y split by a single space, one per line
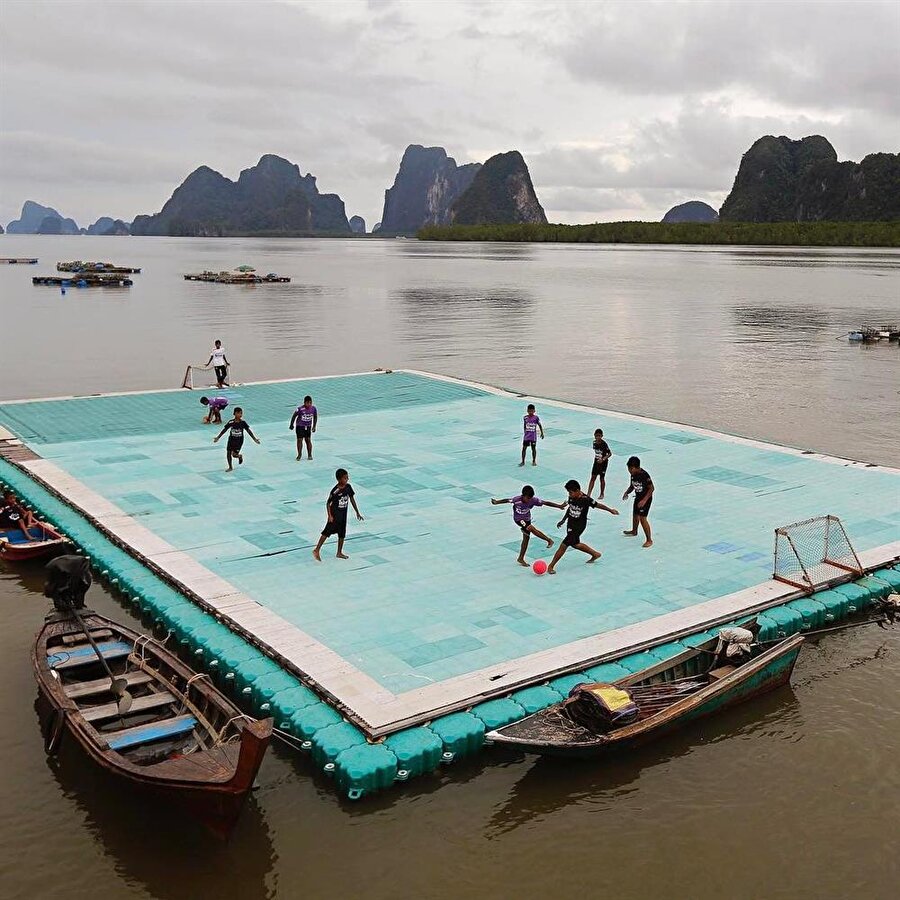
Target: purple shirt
218 404
522 507
531 429
306 416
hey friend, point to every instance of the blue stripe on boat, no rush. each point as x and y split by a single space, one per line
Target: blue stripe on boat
83 655
154 731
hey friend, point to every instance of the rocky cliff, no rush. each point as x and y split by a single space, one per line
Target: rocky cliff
425 188
692 211
501 193
783 180
106 225
357 224
35 217
271 197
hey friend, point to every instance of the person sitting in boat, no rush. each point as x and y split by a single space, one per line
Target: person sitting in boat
14 515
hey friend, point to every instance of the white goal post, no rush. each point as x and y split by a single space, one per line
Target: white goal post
201 378
813 552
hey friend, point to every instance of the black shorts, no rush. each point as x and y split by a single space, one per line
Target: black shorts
234 445
336 527
599 469
524 525
644 509
573 537
221 373
11 520
529 442
304 431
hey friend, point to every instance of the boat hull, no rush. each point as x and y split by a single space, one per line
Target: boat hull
51 542
211 786
768 672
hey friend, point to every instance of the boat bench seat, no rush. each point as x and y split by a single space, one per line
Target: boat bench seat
82 656
97 634
139 704
721 672
102 686
152 731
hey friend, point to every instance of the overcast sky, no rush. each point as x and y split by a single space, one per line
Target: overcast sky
621 109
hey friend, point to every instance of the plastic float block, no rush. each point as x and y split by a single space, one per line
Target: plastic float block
891 576
695 640
789 620
565 683
306 722
534 698
461 733
284 704
607 673
811 610
365 769
637 662
835 604
768 628
665 652
858 596
876 586
417 750
497 713
329 742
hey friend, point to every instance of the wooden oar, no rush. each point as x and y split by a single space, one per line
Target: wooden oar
118 686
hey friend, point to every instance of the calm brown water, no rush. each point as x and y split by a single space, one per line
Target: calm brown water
796 795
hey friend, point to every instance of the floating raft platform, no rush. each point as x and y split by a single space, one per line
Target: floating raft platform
17 260
83 280
237 278
395 661
96 268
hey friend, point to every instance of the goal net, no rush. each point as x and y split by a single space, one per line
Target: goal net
201 378
811 553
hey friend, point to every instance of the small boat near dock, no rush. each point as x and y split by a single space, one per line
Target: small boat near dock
18 260
865 335
96 267
138 711
239 277
37 542
84 280
696 683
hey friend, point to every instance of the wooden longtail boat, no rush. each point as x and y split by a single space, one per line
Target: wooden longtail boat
180 740
694 684
39 541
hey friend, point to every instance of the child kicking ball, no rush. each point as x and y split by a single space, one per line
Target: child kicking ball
575 517
522 506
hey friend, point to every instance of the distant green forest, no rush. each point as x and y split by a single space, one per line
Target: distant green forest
797 234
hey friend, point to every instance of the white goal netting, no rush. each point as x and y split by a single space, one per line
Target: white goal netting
201 378
811 553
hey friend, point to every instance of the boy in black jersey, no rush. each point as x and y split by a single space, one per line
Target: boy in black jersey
340 497
576 521
235 428
642 485
602 455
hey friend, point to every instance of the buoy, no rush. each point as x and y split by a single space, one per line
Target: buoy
539 567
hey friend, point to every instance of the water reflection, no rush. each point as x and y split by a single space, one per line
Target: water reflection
551 784
152 844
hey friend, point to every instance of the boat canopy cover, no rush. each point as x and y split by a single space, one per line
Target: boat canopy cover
68 580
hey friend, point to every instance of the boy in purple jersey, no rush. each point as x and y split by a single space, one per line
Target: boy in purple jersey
306 418
532 425
216 405
522 506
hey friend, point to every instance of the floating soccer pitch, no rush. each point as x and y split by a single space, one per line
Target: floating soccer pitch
431 614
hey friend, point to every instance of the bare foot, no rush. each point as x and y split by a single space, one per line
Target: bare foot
309 458
522 562
549 543
240 459
647 543
534 463
600 497
229 469
594 558
299 457
316 556
521 463
551 571
630 533
341 556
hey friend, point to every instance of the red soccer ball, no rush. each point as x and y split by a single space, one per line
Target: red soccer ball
539 567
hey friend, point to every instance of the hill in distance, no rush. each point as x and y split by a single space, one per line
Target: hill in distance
500 193
692 211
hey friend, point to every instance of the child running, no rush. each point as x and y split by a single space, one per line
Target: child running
236 428
216 405
642 485
602 455
306 418
522 506
576 521
340 497
532 424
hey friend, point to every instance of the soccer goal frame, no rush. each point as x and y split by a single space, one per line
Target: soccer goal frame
812 553
192 373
